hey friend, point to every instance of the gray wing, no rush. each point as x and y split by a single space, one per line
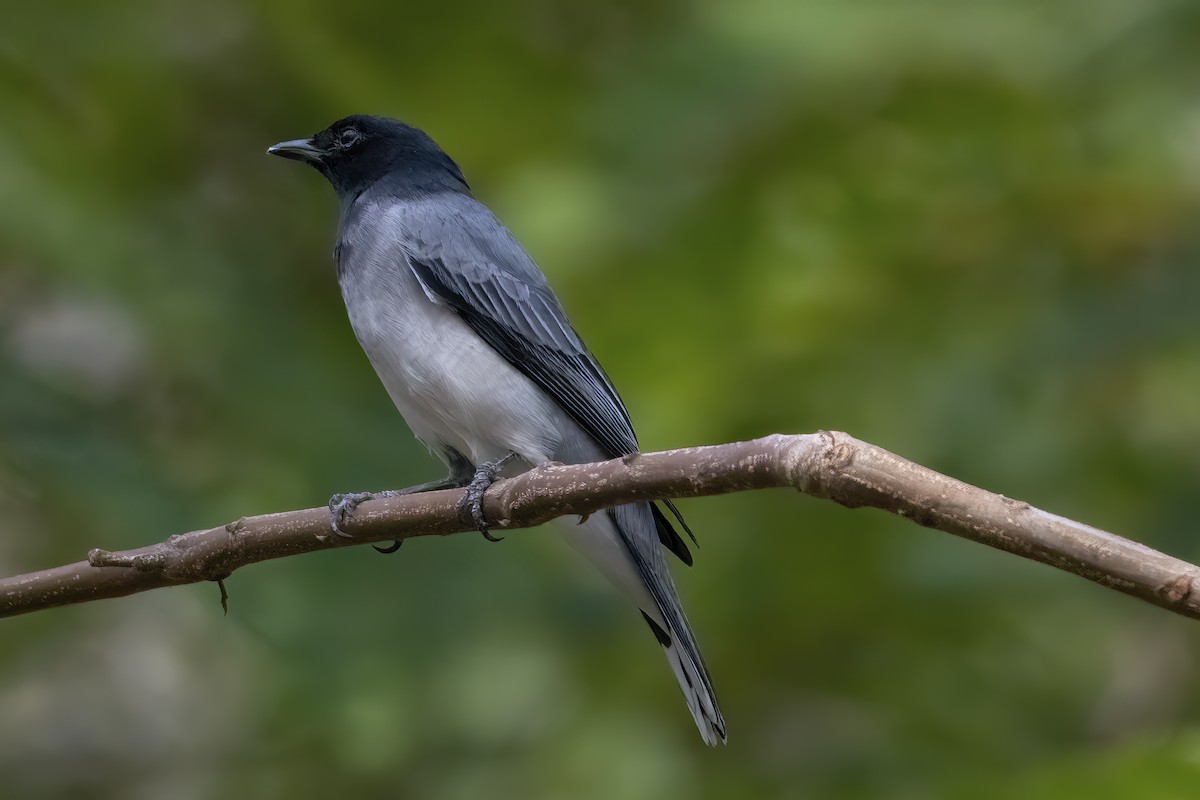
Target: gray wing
465 258
480 271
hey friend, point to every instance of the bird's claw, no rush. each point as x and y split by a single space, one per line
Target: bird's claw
472 503
341 506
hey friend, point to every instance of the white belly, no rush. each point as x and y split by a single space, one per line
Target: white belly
449 385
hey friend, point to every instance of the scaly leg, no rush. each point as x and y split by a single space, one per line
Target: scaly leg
471 506
341 506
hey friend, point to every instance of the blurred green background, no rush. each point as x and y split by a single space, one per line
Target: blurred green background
966 232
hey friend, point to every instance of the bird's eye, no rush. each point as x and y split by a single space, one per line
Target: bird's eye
347 139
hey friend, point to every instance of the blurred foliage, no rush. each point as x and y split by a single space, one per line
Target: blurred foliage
963 231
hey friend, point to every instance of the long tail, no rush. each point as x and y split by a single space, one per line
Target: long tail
624 543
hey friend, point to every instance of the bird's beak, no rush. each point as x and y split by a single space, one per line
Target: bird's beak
297 150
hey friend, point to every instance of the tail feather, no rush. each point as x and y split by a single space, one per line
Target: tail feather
701 702
668 536
624 543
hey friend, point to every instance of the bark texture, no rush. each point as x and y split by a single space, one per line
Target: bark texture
830 465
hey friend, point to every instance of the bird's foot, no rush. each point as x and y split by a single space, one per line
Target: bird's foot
341 506
471 507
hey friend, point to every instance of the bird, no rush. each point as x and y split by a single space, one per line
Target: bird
479 357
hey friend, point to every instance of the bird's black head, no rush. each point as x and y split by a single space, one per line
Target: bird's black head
359 151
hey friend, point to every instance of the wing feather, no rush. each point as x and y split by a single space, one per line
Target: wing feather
532 334
481 272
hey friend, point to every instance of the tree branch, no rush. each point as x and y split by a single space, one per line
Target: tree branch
831 465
